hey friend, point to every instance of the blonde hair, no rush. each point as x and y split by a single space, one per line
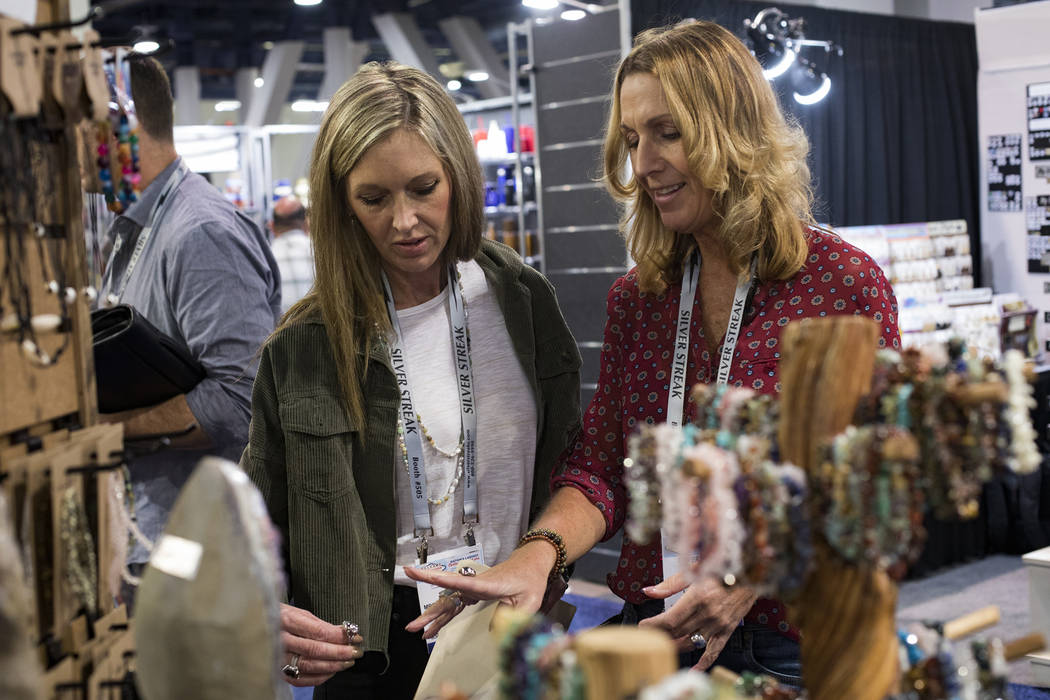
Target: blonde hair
737 142
348 290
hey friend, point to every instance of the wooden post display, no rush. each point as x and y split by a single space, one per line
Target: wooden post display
42 219
618 662
60 477
846 613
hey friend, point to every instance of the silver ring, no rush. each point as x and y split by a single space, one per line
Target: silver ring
291 669
350 630
698 641
468 571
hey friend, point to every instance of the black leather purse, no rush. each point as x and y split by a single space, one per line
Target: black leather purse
135 364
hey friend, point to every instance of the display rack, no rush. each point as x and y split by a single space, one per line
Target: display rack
511 208
62 485
931 268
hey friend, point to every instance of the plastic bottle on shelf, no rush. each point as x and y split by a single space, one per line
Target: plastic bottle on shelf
510 232
501 186
528 183
497 141
509 193
491 196
528 139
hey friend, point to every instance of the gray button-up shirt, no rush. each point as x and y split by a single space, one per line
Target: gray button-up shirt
207 278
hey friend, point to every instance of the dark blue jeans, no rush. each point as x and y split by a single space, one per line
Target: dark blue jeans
752 647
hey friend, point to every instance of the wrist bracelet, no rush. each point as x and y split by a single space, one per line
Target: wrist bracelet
556 541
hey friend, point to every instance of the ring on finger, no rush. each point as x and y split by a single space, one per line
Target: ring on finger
698 641
350 630
291 669
455 596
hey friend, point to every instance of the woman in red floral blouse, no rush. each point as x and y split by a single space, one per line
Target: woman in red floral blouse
718 203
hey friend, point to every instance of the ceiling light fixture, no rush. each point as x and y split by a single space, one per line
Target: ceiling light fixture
819 94
780 67
145 46
476 76
309 106
811 84
453 85
540 4
307 3
776 41
573 15
259 82
227 105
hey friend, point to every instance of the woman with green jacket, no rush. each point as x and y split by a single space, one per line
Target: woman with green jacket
411 408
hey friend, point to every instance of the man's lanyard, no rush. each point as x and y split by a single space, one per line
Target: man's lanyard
460 339
156 215
690 277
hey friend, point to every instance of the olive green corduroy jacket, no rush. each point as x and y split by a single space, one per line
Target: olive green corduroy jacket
329 485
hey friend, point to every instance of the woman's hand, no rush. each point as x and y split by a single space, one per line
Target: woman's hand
520 582
448 605
707 608
318 650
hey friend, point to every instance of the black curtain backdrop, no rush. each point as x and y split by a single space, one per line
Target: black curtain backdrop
896 139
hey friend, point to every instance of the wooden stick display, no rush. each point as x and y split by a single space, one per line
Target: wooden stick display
617 662
846 614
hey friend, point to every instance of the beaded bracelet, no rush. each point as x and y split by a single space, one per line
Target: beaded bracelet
562 560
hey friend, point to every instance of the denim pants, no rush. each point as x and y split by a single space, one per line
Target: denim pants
752 647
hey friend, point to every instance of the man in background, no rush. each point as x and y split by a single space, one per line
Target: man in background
292 250
202 273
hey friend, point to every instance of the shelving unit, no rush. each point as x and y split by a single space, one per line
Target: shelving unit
931 269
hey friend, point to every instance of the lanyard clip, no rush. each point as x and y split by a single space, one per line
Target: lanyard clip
423 548
469 534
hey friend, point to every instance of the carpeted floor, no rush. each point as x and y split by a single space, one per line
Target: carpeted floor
997 580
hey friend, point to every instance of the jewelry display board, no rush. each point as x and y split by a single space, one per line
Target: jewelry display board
45 330
62 477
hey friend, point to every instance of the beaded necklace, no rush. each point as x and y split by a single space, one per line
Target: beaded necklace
456 454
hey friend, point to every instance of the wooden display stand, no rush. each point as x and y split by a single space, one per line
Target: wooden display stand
618 662
56 463
846 613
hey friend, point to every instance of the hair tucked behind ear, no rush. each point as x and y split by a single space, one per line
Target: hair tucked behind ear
738 144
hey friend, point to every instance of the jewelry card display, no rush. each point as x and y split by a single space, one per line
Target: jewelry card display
1004 172
1039 121
1037 225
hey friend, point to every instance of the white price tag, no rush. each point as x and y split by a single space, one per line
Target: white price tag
446 561
177 556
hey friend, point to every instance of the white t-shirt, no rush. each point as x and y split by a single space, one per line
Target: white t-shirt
506 411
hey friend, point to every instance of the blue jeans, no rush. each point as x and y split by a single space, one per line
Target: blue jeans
752 647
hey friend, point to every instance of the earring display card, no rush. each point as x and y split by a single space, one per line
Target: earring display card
1004 172
1037 223
29 394
1039 121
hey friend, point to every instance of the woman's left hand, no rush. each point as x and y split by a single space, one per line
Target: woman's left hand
707 607
447 606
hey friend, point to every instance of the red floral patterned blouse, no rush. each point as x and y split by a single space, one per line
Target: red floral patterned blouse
837 278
